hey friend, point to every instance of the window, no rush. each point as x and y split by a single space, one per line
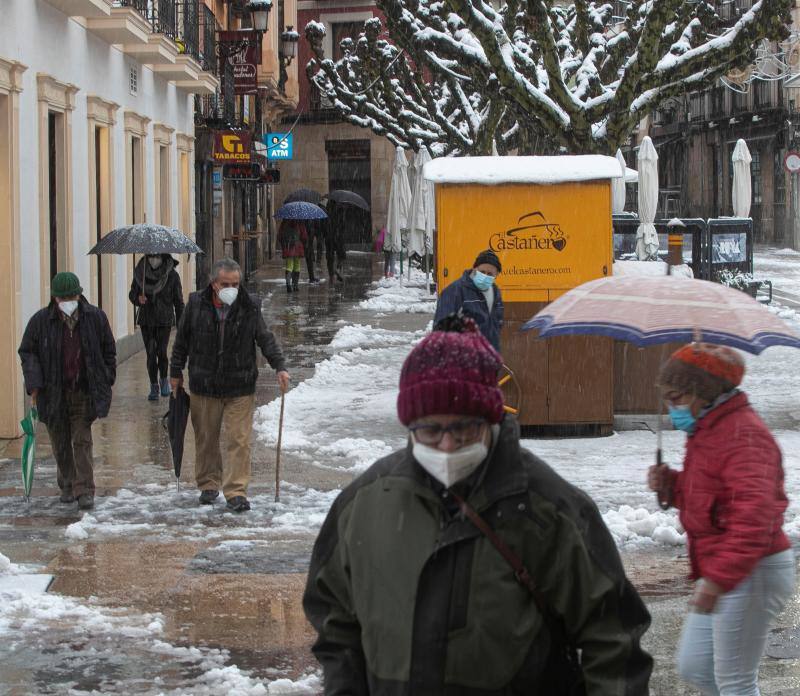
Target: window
755 172
341 31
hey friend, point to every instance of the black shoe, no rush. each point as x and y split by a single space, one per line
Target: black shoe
85 501
238 504
288 281
153 395
165 388
295 281
66 498
208 497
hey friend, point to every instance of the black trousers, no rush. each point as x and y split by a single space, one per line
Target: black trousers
156 339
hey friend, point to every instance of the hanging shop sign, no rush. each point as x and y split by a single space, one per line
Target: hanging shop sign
232 146
242 51
280 146
250 171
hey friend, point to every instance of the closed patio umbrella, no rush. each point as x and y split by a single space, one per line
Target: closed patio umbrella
646 235
742 191
618 186
399 202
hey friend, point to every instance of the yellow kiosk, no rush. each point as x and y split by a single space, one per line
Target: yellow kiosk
549 221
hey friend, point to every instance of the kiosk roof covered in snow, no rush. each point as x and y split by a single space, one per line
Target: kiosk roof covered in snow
521 170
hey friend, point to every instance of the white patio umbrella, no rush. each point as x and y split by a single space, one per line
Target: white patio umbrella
618 186
399 203
742 191
423 210
646 235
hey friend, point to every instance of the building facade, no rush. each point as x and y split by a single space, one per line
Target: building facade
234 216
328 153
96 131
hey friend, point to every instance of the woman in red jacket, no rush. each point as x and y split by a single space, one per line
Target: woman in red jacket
731 499
292 238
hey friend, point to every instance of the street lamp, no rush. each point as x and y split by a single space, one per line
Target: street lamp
287 53
259 13
289 40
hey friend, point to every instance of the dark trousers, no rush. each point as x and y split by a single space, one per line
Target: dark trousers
334 254
156 339
71 438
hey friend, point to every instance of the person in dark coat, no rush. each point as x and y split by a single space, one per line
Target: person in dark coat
476 294
335 253
69 361
160 307
409 596
218 335
731 498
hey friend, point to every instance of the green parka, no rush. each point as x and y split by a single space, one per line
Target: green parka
408 597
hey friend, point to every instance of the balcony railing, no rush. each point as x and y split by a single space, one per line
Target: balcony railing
218 110
189 23
208 40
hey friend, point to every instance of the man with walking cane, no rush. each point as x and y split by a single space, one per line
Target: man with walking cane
218 334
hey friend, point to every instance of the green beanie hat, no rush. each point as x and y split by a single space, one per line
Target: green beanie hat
65 284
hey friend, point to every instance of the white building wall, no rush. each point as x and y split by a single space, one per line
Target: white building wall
47 41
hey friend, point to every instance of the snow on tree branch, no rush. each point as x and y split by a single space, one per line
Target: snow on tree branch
464 75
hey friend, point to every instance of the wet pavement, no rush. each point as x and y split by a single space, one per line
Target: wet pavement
153 594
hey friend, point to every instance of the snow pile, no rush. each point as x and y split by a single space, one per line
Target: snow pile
392 295
166 513
310 684
630 525
360 385
9 568
521 170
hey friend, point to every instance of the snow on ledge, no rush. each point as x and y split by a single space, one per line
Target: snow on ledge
521 170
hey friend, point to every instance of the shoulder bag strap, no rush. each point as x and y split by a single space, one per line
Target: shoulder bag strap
520 571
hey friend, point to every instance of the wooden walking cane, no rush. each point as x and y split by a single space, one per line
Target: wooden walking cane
278 453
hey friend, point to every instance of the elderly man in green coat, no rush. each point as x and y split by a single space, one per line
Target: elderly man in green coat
463 565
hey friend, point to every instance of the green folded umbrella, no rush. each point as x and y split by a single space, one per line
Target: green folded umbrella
29 450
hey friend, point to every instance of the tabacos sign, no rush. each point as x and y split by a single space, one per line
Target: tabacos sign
533 232
232 146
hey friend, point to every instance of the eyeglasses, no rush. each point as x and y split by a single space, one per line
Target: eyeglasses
462 432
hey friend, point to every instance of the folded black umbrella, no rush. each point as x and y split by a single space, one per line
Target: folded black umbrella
176 420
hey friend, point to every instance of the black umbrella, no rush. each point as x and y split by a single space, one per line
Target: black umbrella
303 195
348 198
176 420
145 238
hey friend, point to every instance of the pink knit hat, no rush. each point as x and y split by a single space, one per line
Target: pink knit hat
451 373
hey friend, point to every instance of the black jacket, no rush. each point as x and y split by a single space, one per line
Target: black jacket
42 361
222 355
408 597
462 294
165 307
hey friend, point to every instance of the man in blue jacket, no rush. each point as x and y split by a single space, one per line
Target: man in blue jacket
476 294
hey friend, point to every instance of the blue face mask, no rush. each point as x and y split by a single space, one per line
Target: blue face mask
682 418
482 281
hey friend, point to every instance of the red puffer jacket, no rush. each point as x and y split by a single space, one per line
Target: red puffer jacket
292 238
730 494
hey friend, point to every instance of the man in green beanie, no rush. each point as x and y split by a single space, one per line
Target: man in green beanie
69 360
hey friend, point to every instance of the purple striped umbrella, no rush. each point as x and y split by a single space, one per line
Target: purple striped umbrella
647 310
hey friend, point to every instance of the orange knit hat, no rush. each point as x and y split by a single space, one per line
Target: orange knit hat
704 369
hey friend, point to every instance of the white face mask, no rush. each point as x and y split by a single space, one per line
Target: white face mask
228 295
155 261
450 467
68 307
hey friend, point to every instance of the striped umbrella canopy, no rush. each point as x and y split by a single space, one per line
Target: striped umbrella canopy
146 238
648 310
300 210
